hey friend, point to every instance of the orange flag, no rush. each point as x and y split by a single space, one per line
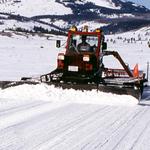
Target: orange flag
136 71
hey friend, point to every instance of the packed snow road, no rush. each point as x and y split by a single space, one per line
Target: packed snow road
27 122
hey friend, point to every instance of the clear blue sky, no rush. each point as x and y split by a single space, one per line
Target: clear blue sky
145 3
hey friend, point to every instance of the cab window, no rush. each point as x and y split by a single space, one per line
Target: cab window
83 43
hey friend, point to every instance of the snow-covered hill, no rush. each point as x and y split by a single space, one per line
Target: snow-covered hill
44 7
61 14
30 8
102 3
105 3
47 7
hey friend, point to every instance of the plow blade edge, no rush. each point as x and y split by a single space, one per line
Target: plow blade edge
102 88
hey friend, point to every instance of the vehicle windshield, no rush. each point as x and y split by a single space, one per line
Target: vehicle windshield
82 43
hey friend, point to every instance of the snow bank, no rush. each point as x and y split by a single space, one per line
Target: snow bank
50 93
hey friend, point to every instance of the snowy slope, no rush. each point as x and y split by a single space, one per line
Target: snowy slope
46 7
102 3
128 49
61 14
105 3
33 8
14 24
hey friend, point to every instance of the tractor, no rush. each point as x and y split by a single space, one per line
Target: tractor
81 67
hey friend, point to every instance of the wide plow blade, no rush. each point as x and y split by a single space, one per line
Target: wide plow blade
121 91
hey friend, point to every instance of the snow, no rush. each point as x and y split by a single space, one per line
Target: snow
34 8
46 7
104 3
60 95
13 24
91 24
29 9
59 23
31 60
43 117
138 49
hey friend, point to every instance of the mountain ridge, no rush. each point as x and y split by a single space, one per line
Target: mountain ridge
64 13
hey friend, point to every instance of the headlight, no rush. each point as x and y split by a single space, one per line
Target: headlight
61 57
86 58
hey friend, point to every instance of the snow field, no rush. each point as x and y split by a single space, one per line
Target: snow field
136 52
26 56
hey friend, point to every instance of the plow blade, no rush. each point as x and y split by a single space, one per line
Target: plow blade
7 84
100 87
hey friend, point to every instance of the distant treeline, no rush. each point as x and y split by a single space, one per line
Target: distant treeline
38 30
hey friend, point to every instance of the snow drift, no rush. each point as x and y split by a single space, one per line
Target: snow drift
50 93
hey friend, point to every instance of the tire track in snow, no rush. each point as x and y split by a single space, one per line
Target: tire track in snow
67 123
23 107
100 133
113 126
87 139
117 137
133 136
11 135
18 115
140 135
33 127
143 142
78 130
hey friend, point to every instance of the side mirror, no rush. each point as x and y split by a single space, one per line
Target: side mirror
58 43
104 46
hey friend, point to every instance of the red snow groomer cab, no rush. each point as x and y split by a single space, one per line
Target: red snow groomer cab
82 67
